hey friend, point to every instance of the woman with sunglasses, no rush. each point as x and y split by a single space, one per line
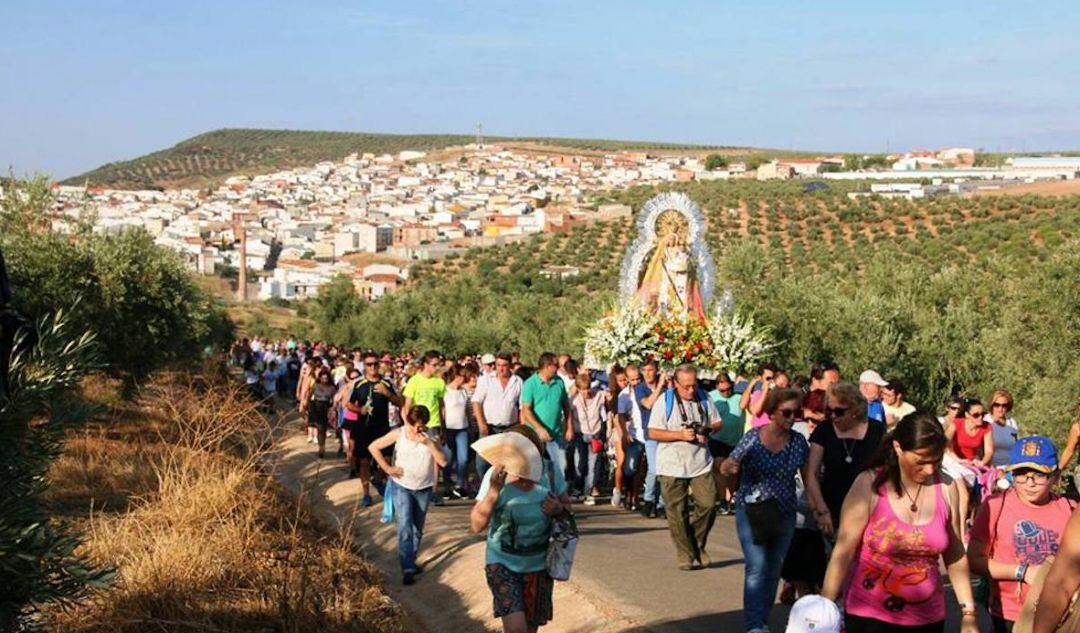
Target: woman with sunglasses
1018 530
1003 428
766 459
840 447
899 522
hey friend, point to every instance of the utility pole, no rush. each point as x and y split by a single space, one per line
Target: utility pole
241 286
479 136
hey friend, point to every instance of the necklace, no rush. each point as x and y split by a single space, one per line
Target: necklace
914 500
847 451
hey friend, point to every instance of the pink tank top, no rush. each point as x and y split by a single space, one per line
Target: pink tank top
896 577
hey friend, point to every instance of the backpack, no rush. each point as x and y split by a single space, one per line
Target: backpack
700 396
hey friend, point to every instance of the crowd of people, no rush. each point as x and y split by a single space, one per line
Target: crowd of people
846 498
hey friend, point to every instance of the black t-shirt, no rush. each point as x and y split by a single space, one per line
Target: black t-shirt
376 423
838 474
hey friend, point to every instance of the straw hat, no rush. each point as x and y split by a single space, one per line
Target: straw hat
515 452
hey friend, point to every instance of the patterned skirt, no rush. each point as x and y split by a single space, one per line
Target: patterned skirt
529 593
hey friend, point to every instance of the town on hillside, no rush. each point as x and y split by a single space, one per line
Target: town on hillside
299 228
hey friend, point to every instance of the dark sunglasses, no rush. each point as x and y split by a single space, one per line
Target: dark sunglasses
787 413
954 407
1000 405
837 411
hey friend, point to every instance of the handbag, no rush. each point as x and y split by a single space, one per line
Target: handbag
766 521
562 544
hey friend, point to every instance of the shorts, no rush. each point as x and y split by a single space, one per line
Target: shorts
719 450
528 593
805 559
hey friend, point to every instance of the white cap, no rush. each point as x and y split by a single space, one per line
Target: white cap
873 378
814 614
487 359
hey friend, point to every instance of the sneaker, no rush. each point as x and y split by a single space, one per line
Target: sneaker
590 501
661 513
366 502
408 579
459 493
616 498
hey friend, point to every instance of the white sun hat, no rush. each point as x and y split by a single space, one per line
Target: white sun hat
515 452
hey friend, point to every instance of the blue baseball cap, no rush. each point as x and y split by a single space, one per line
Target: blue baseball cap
1035 452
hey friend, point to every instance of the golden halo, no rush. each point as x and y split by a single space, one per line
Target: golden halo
670 222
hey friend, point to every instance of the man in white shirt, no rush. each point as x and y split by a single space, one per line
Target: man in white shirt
496 403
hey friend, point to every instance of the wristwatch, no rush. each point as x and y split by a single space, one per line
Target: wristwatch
967 608
1021 571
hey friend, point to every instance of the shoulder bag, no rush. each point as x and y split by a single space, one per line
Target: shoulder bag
562 544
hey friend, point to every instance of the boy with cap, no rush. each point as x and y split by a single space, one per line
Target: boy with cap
1017 530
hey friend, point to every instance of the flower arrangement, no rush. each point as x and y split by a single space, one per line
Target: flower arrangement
623 336
726 342
739 344
683 341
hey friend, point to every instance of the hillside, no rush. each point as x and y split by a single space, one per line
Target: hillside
215 155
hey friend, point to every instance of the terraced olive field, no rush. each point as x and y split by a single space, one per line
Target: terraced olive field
807 232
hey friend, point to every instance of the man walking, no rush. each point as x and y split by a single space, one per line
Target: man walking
370 400
546 408
681 422
495 402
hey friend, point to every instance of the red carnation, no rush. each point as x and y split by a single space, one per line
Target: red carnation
668 354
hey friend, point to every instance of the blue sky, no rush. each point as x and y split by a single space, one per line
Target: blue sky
90 82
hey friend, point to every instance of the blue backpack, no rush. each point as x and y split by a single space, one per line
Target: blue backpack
700 395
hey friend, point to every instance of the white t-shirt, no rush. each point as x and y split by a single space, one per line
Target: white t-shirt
415 459
455 401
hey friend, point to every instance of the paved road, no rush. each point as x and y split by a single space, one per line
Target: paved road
625 578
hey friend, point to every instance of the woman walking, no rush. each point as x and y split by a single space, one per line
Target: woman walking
416 456
587 407
456 404
1019 529
317 407
766 459
516 510
899 521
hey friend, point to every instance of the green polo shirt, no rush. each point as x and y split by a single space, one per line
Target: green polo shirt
548 400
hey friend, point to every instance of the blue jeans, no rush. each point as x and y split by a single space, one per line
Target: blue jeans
652 491
457 440
410 508
556 450
584 464
762 570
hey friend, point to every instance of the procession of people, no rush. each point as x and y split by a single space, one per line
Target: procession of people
843 498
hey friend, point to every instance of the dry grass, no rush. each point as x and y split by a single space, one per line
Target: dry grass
174 496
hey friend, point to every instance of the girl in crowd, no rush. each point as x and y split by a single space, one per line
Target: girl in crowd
587 407
1003 429
766 459
840 448
517 515
899 520
320 397
617 381
456 403
1018 530
347 418
417 454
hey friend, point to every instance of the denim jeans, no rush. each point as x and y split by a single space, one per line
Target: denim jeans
762 569
410 508
457 440
556 450
652 491
584 464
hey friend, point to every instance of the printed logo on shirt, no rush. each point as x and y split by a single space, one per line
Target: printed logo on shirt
1034 544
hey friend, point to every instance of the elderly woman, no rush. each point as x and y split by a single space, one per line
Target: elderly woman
900 520
516 513
766 459
840 448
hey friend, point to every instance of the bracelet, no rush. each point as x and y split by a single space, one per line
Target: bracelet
1021 571
967 608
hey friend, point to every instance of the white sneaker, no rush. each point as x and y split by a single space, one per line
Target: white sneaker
616 498
590 501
